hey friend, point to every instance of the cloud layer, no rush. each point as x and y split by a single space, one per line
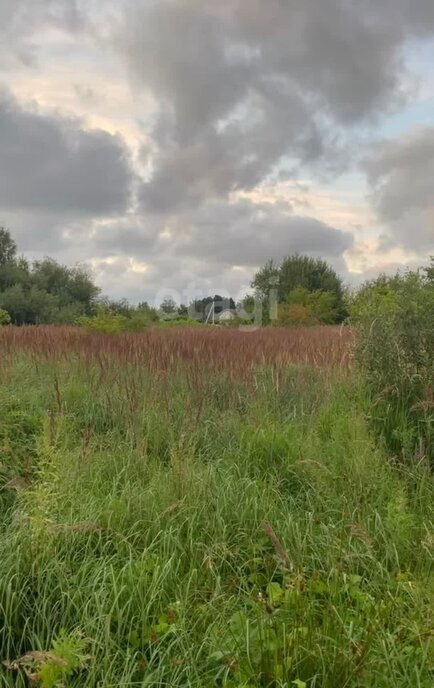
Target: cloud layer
228 99
401 175
52 164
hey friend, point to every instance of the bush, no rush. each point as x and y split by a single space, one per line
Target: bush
304 307
395 317
289 314
137 322
104 321
107 321
5 318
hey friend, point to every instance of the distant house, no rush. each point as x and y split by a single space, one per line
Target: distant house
226 315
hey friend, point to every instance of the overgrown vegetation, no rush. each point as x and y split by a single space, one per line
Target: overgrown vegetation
207 508
395 319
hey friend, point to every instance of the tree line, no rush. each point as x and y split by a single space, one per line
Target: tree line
299 290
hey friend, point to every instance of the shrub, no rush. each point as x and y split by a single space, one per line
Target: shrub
104 321
294 314
304 307
137 322
5 318
395 316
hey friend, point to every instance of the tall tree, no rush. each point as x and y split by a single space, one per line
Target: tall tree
67 284
42 292
8 247
200 308
300 272
168 306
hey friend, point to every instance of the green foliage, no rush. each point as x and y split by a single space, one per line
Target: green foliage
169 307
13 272
305 307
180 321
33 305
44 292
137 322
199 309
204 529
322 304
8 247
120 306
262 642
301 275
104 321
144 308
18 432
395 317
294 314
107 321
68 656
52 668
69 285
5 318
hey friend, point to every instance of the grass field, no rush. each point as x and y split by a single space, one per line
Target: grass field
206 508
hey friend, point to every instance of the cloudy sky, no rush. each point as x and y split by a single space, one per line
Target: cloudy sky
179 144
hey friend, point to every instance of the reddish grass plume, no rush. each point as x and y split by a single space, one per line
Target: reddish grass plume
236 352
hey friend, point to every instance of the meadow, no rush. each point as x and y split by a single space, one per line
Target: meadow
206 507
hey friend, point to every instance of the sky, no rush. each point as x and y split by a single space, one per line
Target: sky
174 146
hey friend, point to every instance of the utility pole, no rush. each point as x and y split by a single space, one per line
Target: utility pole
211 311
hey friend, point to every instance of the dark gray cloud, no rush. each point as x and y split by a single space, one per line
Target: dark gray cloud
241 233
241 85
243 91
401 173
220 163
401 176
246 233
52 164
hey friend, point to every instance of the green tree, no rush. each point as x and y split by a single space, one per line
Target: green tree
168 306
32 306
429 271
8 247
16 271
266 279
119 306
143 308
200 308
45 291
297 271
69 285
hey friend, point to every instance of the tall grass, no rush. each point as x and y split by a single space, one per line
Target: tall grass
216 349
395 318
205 509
